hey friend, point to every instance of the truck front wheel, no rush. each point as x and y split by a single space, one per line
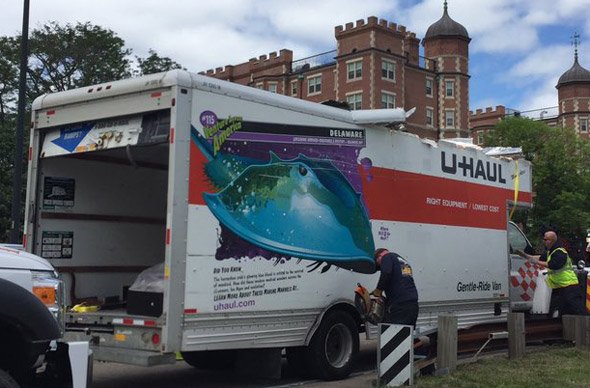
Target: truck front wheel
6 381
334 347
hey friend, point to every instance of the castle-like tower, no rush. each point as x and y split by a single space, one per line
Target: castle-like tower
573 110
447 43
377 64
573 93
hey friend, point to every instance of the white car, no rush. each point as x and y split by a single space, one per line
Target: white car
31 322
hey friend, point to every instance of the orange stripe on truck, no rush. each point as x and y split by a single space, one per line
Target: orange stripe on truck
435 200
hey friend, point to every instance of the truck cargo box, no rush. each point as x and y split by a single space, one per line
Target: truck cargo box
265 210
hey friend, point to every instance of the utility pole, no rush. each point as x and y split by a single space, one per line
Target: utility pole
17 181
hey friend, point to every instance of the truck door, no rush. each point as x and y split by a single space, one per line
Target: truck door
523 275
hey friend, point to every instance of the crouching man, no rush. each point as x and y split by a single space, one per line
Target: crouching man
397 283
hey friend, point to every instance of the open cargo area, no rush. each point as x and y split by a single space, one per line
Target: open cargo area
102 214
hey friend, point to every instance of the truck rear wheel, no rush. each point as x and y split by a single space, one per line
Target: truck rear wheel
334 347
212 359
6 381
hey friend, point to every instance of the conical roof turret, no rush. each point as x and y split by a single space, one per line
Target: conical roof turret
446 26
575 74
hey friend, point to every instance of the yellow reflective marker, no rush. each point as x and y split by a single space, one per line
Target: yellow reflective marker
120 337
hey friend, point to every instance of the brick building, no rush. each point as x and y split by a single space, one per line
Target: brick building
376 64
573 95
572 111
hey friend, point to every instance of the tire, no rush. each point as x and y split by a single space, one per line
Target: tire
334 347
211 360
6 381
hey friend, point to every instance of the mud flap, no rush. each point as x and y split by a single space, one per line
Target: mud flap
69 365
80 360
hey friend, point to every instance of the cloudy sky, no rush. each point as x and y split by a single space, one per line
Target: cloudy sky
519 48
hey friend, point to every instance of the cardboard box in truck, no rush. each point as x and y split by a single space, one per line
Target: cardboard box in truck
263 212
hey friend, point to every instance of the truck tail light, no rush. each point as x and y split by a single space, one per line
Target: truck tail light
156 339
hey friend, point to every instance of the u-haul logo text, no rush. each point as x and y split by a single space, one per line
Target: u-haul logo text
469 167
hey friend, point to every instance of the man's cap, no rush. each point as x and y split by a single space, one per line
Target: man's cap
378 252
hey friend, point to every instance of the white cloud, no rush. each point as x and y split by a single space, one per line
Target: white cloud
544 95
541 16
314 21
504 40
207 34
567 8
542 63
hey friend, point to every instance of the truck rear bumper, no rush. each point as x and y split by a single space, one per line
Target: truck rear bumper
132 356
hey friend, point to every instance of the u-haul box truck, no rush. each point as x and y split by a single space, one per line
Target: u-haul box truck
244 219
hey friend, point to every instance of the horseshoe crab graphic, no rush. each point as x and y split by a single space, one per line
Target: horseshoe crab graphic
298 207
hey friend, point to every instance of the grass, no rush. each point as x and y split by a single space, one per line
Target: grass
558 366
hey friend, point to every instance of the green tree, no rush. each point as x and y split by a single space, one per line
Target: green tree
8 95
155 64
562 181
61 57
8 76
518 132
561 173
71 56
7 140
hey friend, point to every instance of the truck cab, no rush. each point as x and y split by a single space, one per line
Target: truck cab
31 325
524 276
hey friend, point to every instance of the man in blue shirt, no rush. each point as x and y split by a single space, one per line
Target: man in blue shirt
397 282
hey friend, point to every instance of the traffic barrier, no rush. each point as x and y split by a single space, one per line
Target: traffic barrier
395 356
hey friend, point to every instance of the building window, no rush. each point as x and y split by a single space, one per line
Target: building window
314 84
260 85
480 137
450 88
450 119
272 87
355 101
584 124
294 88
429 116
388 70
355 70
429 84
387 100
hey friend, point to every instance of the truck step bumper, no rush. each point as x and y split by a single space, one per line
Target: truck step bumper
132 357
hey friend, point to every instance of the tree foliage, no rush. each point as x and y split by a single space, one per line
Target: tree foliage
71 56
561 173
61 57
519 132
155 64
7 140
8 76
